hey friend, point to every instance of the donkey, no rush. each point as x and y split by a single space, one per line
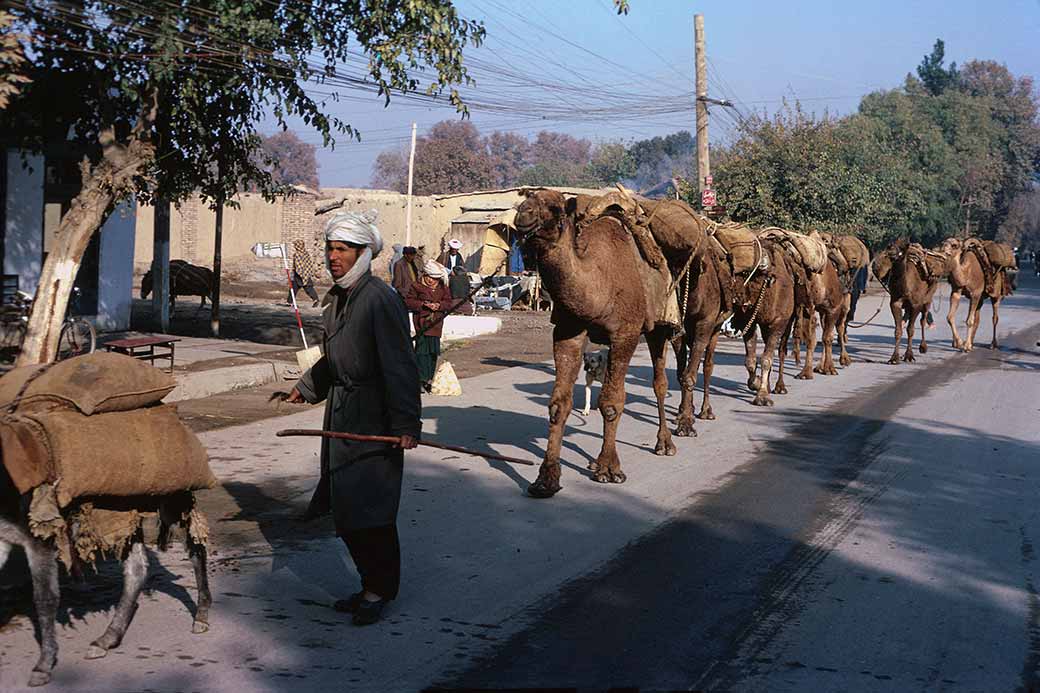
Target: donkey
173 510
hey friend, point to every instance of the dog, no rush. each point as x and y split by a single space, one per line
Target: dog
595 369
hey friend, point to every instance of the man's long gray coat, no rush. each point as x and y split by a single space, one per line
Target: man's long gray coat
370 382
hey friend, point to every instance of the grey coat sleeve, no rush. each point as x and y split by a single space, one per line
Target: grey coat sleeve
315 383
398 365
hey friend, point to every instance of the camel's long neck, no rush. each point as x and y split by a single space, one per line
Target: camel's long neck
561 257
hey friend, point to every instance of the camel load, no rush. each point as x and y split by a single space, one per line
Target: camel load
741 246
808 249
1000 255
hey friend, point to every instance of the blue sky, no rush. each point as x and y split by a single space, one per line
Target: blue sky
640 67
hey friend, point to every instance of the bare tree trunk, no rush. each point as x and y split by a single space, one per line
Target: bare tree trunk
103 185
161 266
218 233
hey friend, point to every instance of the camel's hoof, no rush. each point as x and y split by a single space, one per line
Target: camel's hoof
753 384
909 357
684 428
780 389
617 477
706 415
39 678
95 652
665 449
845 361
894 361
592 466
199 627
923 348
820 370
761 401
540 489
804 376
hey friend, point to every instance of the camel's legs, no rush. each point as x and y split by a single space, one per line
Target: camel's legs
951 317
975 316
781 388
924 341
607 467
810 347
826 366
770 338
135 573
995 302
699 336
657 341
908 355
750 360
897 317
797 329
709 365
843 333
567 344
197 553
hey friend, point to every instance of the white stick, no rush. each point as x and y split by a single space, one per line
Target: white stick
408 214
288 276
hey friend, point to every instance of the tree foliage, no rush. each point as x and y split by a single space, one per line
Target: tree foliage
290 160
950 151
173 93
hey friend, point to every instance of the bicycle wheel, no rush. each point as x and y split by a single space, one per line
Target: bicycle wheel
77 338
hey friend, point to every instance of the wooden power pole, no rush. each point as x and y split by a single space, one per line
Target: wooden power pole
703 164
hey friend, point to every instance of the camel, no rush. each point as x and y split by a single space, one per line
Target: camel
822 296
966 264
766 302
705 291
597 283
910 275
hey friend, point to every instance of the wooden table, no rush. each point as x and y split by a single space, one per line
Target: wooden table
144 348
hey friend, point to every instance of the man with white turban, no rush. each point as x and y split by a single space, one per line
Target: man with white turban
369 380
429 300
452 256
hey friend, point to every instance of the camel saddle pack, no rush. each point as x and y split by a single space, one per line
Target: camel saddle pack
667 233
930 263
993 257
848 254
808 249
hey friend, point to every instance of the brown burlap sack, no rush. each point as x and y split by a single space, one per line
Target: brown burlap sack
741 244
854 251
25 453
999 254
675 226
94 383
809 249
136 453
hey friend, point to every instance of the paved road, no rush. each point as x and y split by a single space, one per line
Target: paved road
872 531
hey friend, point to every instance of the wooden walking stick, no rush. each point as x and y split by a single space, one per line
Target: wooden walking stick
395 440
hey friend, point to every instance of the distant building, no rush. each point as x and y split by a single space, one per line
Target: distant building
35 191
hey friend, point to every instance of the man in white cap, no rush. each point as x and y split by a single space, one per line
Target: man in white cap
452 257
369 380
429 300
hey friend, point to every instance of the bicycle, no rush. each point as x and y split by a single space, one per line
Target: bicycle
77 336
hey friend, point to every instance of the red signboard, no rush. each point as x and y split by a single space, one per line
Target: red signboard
707 198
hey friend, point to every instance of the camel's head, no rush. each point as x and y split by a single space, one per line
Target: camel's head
882 265
951 246
542 217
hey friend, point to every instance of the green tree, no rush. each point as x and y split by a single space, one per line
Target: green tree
933 75
165 98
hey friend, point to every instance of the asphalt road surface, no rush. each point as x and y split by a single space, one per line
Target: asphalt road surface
873 531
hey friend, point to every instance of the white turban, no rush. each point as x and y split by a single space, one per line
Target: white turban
432 268
358 228
455 243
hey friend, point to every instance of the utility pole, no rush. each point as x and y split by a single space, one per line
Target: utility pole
703 164
408 213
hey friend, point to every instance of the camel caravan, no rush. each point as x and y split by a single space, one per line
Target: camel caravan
619 267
